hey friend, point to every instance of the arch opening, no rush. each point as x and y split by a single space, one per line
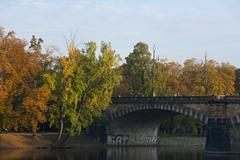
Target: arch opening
141 125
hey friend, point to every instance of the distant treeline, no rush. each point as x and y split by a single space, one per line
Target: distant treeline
70 91
143 76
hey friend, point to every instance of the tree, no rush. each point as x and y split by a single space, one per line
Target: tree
227 78
220 78
123 89
138 65
23 93
192 78
161 79
215 78
35 44
166 80
174 72
213 83
35 106
82 87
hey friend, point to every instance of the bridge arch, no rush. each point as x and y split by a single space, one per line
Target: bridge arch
178 108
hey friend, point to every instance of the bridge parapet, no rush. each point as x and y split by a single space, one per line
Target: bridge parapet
177 100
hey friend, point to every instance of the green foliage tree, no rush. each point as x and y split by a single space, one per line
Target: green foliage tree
36 44
82 87
138 69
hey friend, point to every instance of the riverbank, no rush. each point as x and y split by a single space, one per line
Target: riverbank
40 141
44 141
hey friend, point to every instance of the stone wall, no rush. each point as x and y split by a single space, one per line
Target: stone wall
235 137
218 135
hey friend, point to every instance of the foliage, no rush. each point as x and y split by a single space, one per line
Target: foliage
192 78
35 44
23 94
82 86
123 89
173 79
138 68
180 125
166 80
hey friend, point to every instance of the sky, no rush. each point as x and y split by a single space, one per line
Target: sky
180 29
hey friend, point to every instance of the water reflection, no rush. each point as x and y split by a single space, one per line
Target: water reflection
115 153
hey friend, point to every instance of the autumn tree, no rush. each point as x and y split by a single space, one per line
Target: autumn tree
192 78
166 79
138 69
23 95
215 78
174 82
227 77
161 78
82 87
220 78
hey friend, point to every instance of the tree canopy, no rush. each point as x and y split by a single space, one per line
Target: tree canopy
138 68
82 86
22 91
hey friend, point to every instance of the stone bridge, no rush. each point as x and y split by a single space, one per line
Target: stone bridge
135 120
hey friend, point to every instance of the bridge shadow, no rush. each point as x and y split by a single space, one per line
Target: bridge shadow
141 127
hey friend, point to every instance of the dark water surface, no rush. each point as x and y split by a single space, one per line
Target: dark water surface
116 153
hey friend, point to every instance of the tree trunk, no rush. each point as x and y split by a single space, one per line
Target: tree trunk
34 127
61 127
34 130
60 132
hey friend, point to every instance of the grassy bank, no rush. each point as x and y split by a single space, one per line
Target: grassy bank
44 140
8 141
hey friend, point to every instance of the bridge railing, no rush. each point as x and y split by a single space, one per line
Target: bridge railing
177 99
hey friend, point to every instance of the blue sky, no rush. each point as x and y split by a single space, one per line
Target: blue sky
179 29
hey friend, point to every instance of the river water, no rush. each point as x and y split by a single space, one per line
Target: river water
116 153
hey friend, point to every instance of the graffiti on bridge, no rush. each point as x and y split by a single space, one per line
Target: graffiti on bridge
117 139
152 139
124 139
